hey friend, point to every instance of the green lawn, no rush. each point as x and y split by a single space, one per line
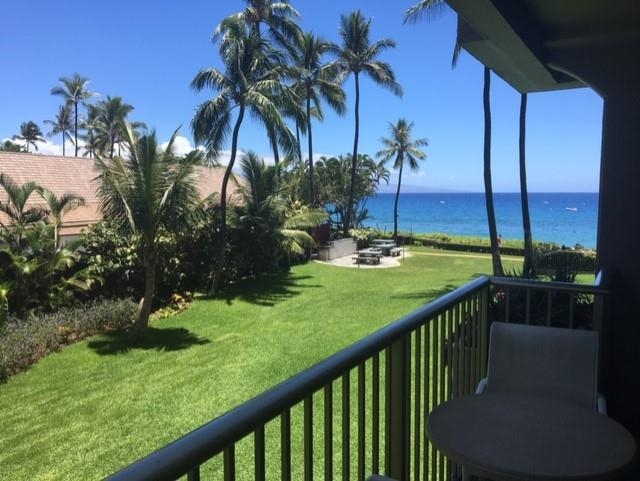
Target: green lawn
96 406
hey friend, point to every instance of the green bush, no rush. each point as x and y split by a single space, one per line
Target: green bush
24 341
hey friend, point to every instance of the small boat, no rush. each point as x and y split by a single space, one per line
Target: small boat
571 209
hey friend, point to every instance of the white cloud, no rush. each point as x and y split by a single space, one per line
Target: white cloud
47 148
181 145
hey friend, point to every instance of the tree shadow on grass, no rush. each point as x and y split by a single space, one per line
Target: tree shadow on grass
427 294
267 290
166 339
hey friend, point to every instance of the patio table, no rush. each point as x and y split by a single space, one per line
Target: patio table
508 437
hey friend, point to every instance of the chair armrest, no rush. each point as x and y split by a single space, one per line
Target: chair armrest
482 386
601 404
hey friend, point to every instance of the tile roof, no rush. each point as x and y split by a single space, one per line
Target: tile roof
75 175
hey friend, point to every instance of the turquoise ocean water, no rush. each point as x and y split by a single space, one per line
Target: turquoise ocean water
564 218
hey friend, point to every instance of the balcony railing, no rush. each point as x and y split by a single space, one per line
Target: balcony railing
363 410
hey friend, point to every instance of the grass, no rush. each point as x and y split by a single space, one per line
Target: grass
86 411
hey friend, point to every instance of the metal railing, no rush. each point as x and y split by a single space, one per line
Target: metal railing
362 410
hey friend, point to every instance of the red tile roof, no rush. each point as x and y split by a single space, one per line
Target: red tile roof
75 175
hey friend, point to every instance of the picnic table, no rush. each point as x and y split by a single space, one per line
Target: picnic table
385 246
368 256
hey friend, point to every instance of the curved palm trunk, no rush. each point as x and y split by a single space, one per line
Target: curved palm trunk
488 189
395 204
150 260
312 196
354 161
75 131
220 258
528 267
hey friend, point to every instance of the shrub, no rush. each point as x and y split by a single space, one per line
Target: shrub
24 341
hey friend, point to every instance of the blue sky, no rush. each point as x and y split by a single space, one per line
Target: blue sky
148 53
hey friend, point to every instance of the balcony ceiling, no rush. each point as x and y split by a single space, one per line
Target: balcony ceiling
519 39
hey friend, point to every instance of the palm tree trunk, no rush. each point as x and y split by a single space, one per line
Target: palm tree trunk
150 259
395 204
63 137
75 127
354 160
220 258
312 197
528 267
299 147
273 140
488 189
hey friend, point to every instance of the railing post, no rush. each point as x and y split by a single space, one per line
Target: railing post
398 395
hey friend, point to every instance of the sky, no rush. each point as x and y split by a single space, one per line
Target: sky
148 53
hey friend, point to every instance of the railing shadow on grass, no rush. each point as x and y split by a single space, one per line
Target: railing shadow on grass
159 339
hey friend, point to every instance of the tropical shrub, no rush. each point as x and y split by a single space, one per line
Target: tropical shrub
38 277
23 341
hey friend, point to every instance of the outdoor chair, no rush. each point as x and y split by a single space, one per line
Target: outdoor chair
551 362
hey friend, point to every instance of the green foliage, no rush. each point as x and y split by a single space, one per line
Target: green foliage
37 276
8 146
24 341
333 178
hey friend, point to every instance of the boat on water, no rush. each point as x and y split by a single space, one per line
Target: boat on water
571 209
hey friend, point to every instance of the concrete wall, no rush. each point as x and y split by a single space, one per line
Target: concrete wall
337 248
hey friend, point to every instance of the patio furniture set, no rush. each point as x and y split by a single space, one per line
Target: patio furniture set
379 248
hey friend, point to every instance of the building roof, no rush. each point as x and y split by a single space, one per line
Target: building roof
75 175
520 40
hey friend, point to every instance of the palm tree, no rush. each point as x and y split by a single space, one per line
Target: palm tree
358 55
74 91
402 147
108 118
431 9
317 81
278 16
253 72
528 268
30 133
488 188
15 207
144 194
265 197
61 125
58 206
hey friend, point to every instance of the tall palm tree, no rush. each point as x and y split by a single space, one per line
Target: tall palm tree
528 268
74 90
401 147
61 125
431 9
253 72
15 207
355 56
278 16
30 133
108 117
488 187
57 207
317 81
144 194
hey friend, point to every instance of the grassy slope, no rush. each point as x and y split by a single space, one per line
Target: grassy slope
86 411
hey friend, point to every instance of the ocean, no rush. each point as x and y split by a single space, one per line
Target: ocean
564 218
